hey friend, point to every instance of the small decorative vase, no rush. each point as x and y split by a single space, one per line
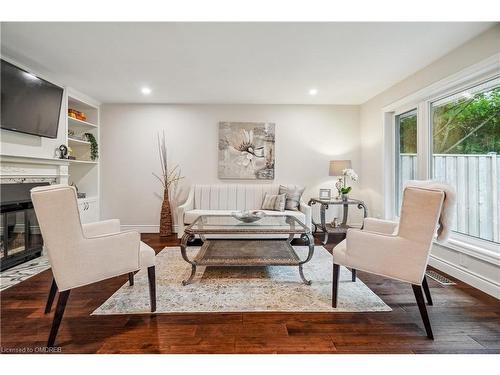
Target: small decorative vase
339 186
345 197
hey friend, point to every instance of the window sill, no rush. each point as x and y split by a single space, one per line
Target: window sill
480 249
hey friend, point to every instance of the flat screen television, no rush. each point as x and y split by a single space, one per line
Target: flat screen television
30 104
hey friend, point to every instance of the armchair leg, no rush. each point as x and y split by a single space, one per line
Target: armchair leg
417 290
131 278
427 291
353 275
52 294
335 284
56 322
152 287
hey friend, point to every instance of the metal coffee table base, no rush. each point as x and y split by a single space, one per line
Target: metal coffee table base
247 253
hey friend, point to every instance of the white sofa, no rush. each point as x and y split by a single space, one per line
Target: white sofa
227 198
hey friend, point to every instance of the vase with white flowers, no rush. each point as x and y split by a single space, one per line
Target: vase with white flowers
342 187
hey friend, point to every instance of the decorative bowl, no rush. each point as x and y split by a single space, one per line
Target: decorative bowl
248 216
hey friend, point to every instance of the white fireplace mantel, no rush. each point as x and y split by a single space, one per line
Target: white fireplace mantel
19 168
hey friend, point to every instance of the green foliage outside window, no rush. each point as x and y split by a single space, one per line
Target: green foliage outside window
408 134
468 125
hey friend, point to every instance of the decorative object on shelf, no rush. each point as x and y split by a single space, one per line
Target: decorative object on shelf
62 152
70 152
325 194
73 113
169 179
248 216
94 148
335 222
246 150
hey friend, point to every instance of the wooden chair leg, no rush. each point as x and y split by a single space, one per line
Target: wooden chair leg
131 278
353 275
335 284
56 322
419 296
427 291
152 287
52 294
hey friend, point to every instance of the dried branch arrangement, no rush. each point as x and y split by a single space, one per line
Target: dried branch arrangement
169 180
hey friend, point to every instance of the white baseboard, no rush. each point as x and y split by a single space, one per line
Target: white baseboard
145 228
477 281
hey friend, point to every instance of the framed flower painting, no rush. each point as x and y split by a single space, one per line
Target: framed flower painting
246 150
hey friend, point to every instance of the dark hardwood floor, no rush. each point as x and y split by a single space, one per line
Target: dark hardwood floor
464 320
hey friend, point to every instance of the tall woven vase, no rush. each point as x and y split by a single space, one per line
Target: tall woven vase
165 216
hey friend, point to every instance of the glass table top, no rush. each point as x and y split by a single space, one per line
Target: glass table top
278 224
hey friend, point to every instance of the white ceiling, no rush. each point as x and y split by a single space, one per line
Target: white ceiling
233 62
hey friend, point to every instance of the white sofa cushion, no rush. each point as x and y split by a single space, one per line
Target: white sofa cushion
224 199
192 215
231 196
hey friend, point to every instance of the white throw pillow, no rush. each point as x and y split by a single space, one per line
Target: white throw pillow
274 202
292 196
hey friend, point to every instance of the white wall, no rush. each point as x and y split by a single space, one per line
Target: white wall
307 137
372 137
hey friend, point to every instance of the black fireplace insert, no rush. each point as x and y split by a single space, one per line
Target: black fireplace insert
20 236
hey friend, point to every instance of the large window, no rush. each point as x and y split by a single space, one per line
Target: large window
466 152
406 152
450 131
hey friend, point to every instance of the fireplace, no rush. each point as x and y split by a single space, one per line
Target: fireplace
20 235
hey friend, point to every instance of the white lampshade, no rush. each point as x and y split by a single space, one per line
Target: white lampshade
337 166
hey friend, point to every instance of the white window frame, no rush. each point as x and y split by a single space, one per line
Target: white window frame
422 99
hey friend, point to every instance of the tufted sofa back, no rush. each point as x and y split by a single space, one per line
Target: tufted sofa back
231 196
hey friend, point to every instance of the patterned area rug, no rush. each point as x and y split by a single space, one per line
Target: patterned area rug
24 271
242 289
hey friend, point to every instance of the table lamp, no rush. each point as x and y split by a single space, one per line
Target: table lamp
336 168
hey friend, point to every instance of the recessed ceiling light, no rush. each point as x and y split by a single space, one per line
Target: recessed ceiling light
313 92
146 90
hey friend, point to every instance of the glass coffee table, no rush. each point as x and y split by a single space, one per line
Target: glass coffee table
251 252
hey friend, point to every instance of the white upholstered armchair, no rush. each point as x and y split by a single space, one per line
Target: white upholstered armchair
398 250
84 254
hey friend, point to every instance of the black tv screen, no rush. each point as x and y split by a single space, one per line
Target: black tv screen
29 104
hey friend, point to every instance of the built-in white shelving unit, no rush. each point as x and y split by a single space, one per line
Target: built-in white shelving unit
77 141
83 171
74 123
82 162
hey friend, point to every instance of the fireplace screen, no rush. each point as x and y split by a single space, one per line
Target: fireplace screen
20 232
20 237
